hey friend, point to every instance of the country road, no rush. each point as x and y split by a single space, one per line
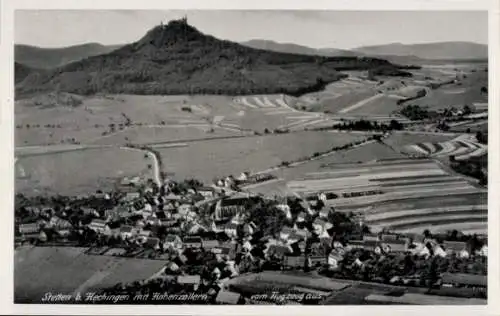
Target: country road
156 164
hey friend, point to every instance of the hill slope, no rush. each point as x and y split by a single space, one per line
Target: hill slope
439 50
46 58
178 59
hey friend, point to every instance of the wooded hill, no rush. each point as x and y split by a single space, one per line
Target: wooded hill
176 58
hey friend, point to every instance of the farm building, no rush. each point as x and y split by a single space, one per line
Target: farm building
464 280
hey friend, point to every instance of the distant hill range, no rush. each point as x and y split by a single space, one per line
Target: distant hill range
46 58
439 50
396 53
178 59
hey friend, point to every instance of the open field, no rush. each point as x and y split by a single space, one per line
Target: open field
40 270
365 153
206 160
122 118
78 172
404 195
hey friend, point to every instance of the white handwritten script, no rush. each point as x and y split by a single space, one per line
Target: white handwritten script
92 297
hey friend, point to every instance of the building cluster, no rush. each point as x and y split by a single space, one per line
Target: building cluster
206 236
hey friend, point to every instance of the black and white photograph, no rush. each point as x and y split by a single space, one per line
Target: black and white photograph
250 157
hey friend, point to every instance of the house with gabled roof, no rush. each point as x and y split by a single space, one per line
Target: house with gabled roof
99 226
172 241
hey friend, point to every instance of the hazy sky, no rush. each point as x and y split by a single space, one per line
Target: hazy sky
335 29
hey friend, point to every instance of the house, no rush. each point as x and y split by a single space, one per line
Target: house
132 196
171 267
153 220
152 243
29 228
439 252
301 217
206 192
320 225
278 250
144 233
249 228
127 231
355 244
184 209
228 298
307 208
334 258
210 243
59 223
285 209
388 237
191 282
294 262
194 228
483 251
231 230
99 226
172 241
454 247
464 280
317 260
169 222
394 246
371 237
285 233
325 211
193 242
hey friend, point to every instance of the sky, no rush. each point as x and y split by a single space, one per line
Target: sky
318 29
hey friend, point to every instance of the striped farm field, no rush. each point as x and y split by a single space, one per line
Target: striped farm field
462 147
398 194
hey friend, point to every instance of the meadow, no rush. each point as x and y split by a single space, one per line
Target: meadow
77 172
209 159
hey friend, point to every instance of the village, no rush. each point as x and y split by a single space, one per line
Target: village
209 235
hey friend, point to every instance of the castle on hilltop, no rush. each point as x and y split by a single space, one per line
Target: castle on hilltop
182 20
